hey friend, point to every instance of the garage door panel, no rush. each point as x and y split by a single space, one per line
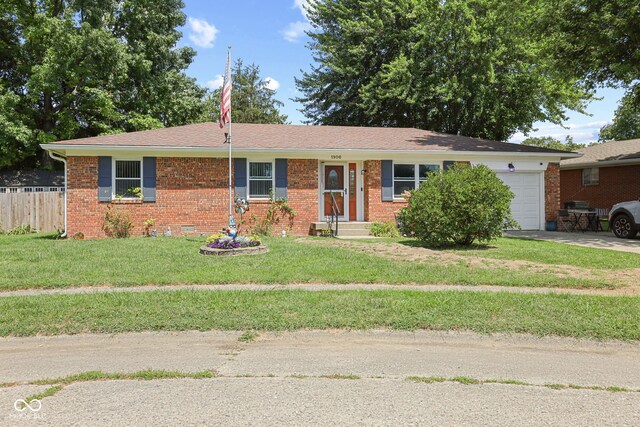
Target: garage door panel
525 206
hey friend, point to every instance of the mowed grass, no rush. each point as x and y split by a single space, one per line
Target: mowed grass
483 312
39 261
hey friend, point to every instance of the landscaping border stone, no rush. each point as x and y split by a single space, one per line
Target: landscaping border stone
252 250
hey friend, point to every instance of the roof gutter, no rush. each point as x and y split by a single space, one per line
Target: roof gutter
223 150
63 160
602 163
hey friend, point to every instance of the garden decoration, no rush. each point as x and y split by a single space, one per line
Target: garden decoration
229 241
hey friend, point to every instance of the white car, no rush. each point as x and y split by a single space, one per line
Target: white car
624 219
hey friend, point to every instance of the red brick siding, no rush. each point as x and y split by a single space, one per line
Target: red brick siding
552 191
189 191
617 184
375 210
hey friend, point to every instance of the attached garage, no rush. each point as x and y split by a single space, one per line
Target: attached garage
527 203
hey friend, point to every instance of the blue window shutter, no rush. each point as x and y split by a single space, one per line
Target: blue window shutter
387 181
104 178
240 177
281 178
149 179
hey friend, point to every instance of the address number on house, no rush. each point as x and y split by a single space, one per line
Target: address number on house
336 156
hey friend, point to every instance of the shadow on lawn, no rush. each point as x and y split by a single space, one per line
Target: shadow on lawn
414 243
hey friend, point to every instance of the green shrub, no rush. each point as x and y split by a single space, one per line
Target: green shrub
116 223
459 206
384 229
278 210
21 230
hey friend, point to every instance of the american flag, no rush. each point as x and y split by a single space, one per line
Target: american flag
225 105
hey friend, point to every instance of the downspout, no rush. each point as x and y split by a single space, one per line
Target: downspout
63 160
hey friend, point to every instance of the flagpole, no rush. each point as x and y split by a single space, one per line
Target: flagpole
229 141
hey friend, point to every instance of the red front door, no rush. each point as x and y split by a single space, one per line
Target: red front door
333 185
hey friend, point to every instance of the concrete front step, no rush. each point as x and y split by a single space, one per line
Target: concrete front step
346 229
352 233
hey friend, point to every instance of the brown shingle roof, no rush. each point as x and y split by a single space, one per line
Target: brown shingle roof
614 151
295 137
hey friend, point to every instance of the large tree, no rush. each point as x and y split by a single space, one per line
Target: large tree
626 121
76 68
470 67
252 101
598 40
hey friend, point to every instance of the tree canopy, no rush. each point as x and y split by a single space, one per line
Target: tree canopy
77 68
469 67
252 101
626 121
598 40
553 143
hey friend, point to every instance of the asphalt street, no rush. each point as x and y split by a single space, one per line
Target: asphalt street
324 378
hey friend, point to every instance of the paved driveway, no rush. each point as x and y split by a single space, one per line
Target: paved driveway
602 240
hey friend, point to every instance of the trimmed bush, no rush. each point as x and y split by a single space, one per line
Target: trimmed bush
459 206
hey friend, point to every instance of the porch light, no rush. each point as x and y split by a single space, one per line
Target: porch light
363 171
511 167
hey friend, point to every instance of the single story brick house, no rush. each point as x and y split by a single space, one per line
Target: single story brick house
183 172
606 174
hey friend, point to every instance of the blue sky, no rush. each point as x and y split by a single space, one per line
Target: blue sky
270 33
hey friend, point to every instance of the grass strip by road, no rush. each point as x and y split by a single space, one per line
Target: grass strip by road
39 262
555 386
582 316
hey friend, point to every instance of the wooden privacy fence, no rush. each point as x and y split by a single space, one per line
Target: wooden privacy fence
42 211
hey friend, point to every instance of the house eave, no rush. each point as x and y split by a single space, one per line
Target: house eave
75 149
601 163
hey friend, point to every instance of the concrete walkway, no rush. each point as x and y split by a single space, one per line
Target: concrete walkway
601 240
284 379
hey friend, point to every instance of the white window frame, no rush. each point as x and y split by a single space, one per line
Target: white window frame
417 179
590 181
113 177
273 179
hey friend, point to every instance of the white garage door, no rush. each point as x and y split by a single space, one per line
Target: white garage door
525 206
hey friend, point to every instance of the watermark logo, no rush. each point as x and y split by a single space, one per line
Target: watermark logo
22 405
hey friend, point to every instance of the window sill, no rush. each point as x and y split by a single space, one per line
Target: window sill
126 201
399 200
259 201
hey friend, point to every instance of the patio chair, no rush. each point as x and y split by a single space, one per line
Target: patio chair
565 223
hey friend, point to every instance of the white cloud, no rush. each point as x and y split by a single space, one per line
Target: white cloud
215 83
202 33
271 83
303 5
295 30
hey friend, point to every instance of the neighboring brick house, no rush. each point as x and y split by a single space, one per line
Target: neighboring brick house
183 173
606 174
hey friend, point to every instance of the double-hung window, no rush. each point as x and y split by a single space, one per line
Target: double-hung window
260 180
409 176
127 179
590 176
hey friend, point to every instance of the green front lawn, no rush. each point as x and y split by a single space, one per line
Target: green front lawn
39 261
483 312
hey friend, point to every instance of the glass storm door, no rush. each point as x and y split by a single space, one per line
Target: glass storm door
353 201
334 185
